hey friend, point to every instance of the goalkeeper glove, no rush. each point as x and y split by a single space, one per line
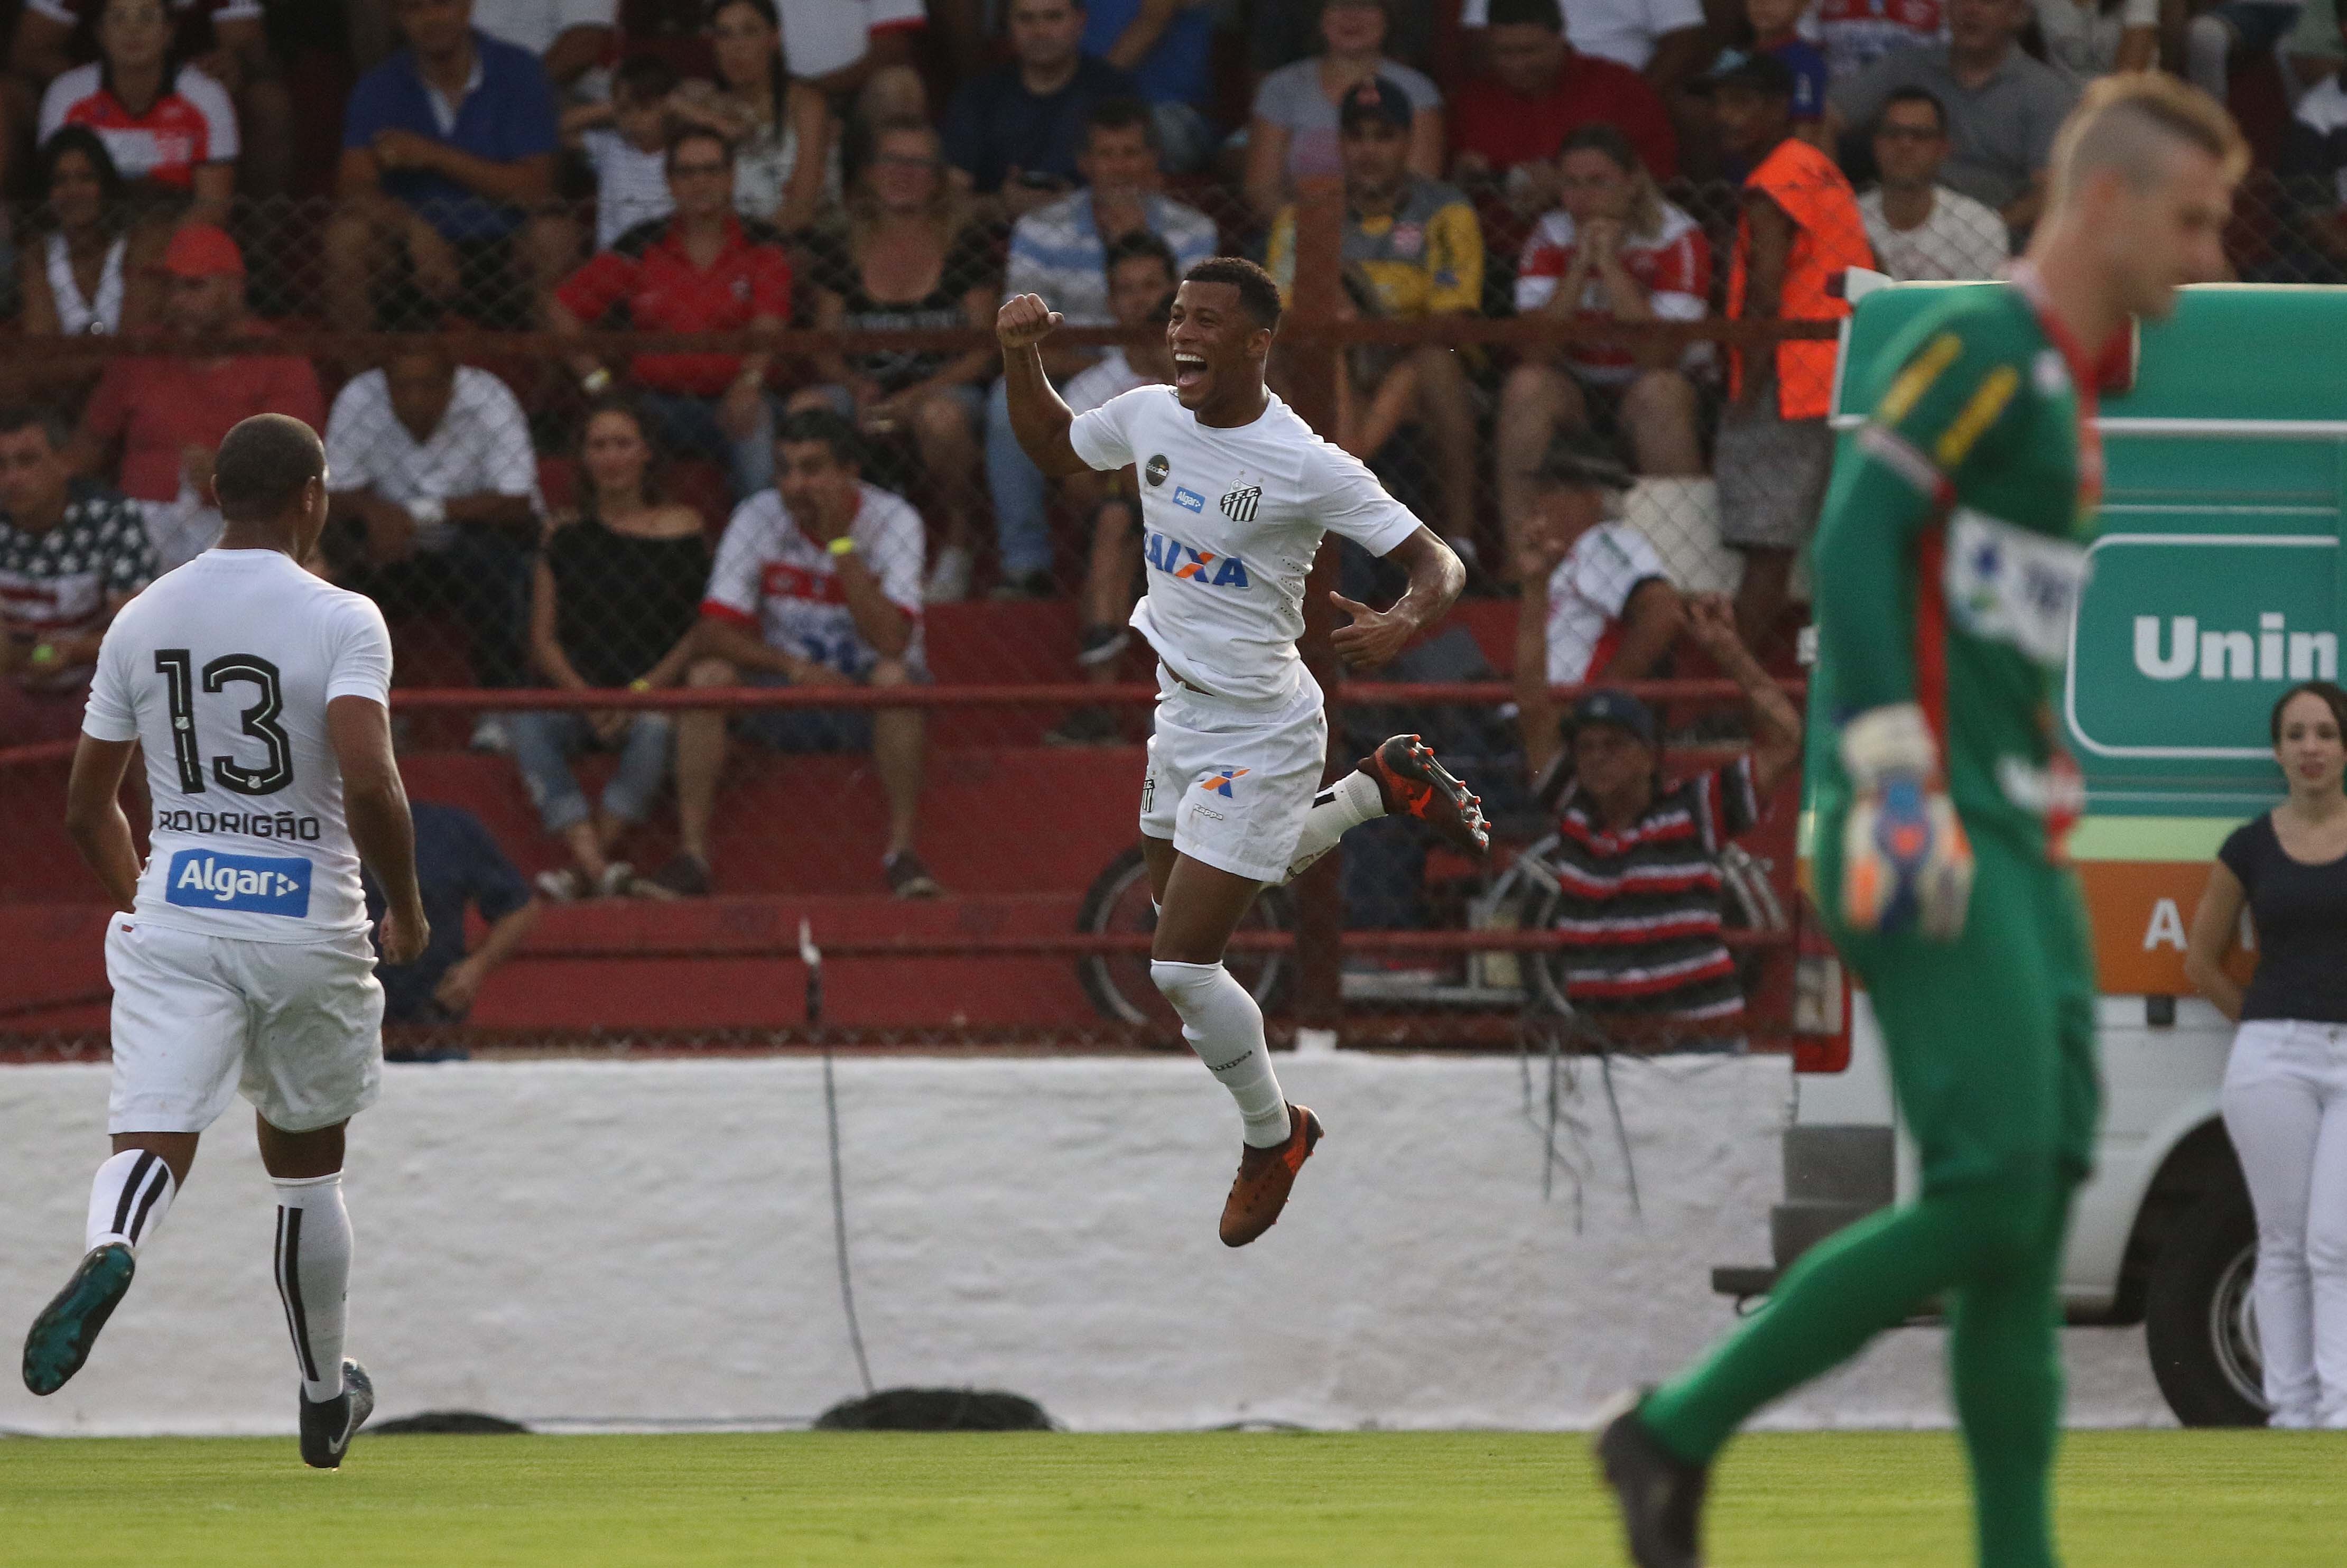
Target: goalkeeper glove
1906 862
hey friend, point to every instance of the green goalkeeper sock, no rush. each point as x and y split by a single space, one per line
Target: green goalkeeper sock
1844 1291
2004 1368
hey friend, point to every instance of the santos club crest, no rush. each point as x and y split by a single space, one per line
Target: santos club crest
1239 505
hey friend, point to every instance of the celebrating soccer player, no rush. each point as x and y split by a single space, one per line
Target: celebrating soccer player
1948 569
239 959
1236 492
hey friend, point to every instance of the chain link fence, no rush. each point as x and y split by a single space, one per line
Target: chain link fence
668 739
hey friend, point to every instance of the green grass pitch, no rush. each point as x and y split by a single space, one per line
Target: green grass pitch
2130 1500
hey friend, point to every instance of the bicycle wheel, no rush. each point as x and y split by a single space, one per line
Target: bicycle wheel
1119 985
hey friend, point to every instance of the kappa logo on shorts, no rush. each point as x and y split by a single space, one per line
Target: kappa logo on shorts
252 883
1220 781
1155 470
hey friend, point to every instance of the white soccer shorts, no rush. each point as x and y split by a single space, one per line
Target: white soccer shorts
1231 782
298 1027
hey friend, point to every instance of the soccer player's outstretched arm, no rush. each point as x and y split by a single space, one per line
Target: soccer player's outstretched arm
1037 416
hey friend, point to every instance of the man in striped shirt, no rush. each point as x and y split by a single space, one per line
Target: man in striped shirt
1639 859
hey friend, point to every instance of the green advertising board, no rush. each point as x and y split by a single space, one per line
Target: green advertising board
2217 574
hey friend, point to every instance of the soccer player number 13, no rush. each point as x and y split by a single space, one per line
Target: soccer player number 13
260 721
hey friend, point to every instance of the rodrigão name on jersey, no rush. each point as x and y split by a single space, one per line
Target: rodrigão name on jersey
1205 567
258 884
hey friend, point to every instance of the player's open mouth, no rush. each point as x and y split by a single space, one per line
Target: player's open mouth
1189 370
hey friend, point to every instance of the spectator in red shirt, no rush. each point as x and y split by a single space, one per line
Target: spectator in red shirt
1506 126
1615 251
167 413
170 129
223 39
701 270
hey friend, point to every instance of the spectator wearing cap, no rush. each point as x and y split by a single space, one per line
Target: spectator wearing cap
1013 135
156 421
1637 859
71 554
1060 252
1614 252
1596 602
1540 89
1416 244
1775 27
2002 107
434 501
703 270
448 153
1797 229
1921 229
1294 127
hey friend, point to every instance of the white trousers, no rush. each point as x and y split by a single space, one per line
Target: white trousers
2285 1104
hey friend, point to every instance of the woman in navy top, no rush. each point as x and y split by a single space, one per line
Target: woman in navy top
2285 1094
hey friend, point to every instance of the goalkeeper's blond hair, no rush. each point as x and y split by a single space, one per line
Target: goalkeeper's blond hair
2126 121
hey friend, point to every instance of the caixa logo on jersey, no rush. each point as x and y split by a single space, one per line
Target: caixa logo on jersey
250 884
1208 569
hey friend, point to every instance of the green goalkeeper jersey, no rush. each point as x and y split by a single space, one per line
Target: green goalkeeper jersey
1952 552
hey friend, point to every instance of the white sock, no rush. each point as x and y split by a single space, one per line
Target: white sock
2207 42
1336 810
128 1199
313 1276
1225 1026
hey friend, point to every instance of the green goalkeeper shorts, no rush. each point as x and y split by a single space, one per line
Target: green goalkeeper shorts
1991 1038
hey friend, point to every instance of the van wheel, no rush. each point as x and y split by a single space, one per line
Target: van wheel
2198 1326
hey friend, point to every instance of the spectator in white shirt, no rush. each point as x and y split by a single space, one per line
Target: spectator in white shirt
625 143
435 503
1921 229
2088 38
1596 603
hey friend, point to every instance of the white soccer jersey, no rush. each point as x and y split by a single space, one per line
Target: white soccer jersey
222 672
771 577
1587 594
1231 519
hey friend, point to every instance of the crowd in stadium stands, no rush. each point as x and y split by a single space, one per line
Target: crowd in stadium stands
745 166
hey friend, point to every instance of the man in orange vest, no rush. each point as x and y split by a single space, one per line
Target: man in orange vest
1799 229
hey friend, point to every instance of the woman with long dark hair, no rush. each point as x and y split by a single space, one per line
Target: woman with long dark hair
2285 1094
75 278
781 128
618 593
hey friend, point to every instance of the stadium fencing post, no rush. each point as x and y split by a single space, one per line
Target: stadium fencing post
1319 893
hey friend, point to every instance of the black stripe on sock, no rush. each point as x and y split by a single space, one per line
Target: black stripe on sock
154 1191
138 1174
288 1286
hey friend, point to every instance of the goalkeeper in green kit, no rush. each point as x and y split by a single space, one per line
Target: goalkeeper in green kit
1947 566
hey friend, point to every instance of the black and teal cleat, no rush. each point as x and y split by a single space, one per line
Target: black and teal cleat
67 1326
329 1425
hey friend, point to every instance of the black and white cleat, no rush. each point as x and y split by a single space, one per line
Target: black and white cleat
329 1425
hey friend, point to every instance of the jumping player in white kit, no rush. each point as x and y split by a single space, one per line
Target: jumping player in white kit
1235 494
240 958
